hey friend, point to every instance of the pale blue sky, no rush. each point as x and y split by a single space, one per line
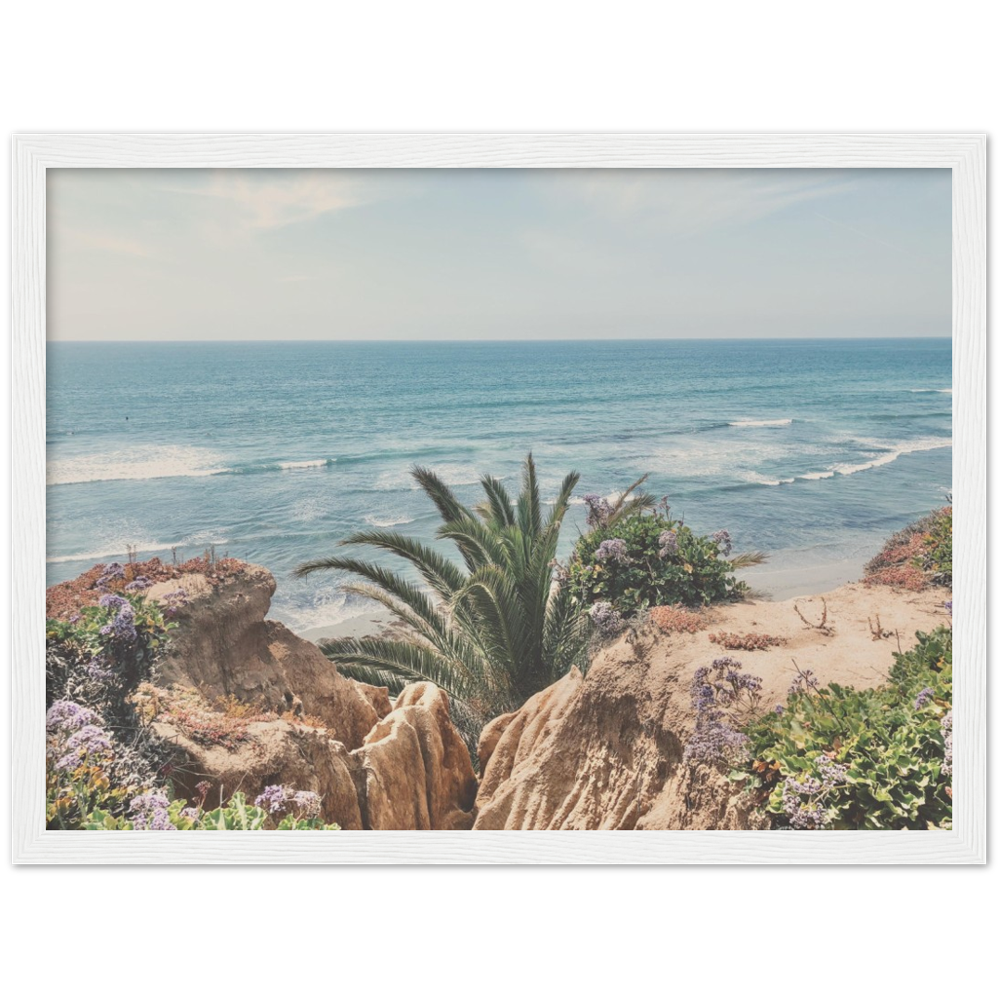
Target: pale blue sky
497 254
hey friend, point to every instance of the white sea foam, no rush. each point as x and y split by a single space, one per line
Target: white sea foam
148 462
761 423
144 549
948 391
117 547
873 460
760 480
578 501
387 521
315 463
892 452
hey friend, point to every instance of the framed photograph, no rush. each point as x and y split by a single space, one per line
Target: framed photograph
476 499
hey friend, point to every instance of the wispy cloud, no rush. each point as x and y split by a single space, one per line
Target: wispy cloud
272 199
688 202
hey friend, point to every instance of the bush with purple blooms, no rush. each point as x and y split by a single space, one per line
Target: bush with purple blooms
725 700
115 641
645 559
155 811
879 759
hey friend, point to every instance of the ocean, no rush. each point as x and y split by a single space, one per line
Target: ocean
810 450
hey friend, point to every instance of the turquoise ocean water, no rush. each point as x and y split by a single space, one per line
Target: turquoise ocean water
811 450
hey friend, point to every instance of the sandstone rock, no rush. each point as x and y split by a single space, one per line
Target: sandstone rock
605 751
413 772
442 784
224 646
276 752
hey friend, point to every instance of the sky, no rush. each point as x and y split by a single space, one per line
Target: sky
497 254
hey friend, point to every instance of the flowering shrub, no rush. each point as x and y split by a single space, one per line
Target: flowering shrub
116 639
725 701
645 559
155 811
916 557
64 600
750 641
606 620
838 758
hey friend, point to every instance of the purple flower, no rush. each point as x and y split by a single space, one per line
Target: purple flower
139 583
190 813
147 801
779 709
150 811
90 739
274 799
611 550
173 601
307 804
713 741
98 669
946 733
112 571
606 619
724 541
807 815
69 717
831 773
598 510
923 697
722 697
122 627
725 663
805 680
668 543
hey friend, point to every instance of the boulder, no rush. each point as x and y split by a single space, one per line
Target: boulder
605 751
225 647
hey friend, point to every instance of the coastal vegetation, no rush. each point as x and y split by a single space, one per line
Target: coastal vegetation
123 732
643 558
917 557
491 630
834 756
106 769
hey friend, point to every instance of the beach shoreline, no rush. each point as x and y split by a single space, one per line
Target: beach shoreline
770 583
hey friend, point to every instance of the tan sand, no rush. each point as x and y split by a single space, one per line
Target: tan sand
849 654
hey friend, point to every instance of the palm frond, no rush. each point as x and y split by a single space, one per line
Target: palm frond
745 559
490 635
444 499
437 571
529 503
399 662
498 506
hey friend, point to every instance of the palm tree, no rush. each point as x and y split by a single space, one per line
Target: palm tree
492 631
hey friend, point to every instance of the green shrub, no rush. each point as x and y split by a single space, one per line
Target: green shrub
122 633
236 814
937 557
839 758
661 562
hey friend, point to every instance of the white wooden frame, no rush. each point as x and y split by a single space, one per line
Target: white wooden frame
965 154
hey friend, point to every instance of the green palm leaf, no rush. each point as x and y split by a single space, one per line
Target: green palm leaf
491 634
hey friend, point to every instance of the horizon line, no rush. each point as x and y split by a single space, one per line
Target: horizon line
493 340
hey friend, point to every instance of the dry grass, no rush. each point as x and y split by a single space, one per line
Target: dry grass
749 641
676 619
